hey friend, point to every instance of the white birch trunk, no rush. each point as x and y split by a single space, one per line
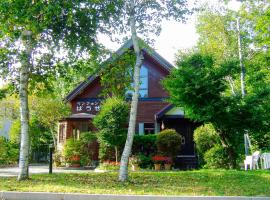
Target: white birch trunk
123 172
24 111
243 69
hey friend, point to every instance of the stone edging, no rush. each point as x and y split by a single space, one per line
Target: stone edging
73 196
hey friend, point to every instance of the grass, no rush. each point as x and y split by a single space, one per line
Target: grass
199 182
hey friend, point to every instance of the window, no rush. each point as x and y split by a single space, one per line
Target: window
149 128
146 128
143 91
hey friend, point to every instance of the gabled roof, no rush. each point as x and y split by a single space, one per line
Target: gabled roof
170 110
128 45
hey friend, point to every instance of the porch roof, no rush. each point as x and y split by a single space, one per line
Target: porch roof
81 116
169 111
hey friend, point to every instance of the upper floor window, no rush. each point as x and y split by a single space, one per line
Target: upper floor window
143 91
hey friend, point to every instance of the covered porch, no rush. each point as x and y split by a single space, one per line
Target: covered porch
172 117
74 126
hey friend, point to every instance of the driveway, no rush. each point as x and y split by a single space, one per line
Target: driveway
39 169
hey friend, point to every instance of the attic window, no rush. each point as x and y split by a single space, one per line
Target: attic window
143 91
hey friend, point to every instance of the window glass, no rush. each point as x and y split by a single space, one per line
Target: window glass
143 92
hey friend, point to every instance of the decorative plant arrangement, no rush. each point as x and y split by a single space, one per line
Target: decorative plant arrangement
167 139
160 160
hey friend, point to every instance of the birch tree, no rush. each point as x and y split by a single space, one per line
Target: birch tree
143 18
35 36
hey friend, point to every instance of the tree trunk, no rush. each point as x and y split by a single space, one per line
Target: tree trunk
54 138
228 148
123 172
24 111
243 69
116 153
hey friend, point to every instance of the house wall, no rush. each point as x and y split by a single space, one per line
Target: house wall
89 99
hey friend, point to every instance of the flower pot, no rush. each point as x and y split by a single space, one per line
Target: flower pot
167 166
75 161
157 167
135 167
75 165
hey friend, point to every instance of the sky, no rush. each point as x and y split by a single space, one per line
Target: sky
174 36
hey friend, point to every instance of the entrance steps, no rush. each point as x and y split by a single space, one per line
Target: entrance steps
186 162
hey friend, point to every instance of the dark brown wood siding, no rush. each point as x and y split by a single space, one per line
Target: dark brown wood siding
146 108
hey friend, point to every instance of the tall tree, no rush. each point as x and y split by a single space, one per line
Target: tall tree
35 35
143 18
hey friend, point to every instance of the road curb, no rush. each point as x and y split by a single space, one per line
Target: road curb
78 196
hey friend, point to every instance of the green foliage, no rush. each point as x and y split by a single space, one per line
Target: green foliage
116 76
106 151
205 138
145 161
111 122
211 153
71 148
145 144
167 139
217 34
216 158
9 152
88 141
71 26
15 130
199 86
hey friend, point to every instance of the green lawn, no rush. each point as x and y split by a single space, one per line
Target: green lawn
201 182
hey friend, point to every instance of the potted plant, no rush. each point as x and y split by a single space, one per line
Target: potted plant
158 161
168 163
134 161
167 139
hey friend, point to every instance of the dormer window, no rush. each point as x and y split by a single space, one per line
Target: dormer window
143 91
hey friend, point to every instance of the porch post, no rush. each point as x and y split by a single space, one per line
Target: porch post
157 127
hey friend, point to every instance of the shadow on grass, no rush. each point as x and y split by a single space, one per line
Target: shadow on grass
200 182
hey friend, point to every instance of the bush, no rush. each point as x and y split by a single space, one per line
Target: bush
145 162
216 158
211 152
88 143
168 142
71 148
205 138
9 152
144 144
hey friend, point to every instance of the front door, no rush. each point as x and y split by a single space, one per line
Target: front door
185 128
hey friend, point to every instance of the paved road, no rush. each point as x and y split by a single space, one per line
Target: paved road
38 169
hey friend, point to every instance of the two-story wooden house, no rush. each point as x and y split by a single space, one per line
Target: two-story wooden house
154 112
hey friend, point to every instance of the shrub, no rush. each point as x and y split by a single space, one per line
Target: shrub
144 144
169 142
88 142
205 138
145 161
9 152
216 158
111 122
71 148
